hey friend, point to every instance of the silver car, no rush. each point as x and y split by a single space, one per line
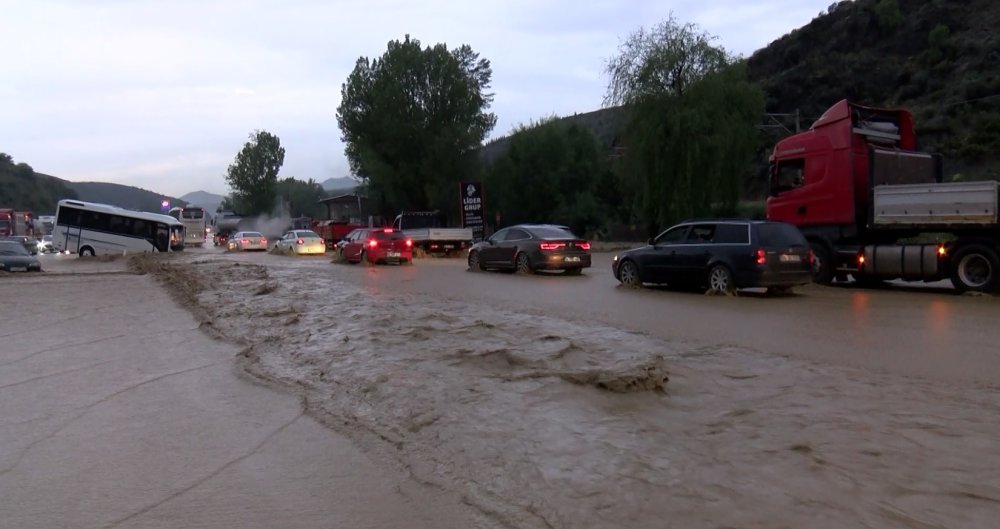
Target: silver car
243 241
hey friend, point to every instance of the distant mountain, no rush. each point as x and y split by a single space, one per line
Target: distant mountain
340 184
209 201
127 197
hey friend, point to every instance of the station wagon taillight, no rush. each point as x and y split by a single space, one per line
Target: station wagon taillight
812 258
551 245
761 256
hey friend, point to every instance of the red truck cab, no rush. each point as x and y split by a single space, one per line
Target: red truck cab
6 222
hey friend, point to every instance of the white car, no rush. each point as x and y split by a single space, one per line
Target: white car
301 242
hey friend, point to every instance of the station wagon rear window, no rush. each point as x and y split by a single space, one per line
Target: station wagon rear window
732 234
778 234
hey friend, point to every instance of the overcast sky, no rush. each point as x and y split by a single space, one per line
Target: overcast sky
162 94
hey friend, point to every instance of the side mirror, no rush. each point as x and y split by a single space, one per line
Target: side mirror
491 242
651 241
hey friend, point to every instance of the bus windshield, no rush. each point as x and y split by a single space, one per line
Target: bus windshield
193 213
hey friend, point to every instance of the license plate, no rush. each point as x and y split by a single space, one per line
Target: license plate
393 254
790 258
449 247
572 259
18 269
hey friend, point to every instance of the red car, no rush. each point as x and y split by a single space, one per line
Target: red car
378 245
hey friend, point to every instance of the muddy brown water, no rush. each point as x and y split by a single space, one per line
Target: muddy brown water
555 401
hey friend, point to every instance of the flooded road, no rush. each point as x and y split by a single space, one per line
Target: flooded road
549 401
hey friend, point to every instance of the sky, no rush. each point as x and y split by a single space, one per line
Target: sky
162 94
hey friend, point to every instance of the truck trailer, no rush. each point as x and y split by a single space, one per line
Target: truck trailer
875 208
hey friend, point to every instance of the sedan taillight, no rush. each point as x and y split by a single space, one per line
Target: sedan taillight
551 245
244 241
409 243
299 241
584 245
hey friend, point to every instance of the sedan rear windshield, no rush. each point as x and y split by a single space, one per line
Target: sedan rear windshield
553 233
252 234
308 234
383 236
778 234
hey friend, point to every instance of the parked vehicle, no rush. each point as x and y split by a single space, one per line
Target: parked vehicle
529 247
243 241
301 242
857 188
428 231
6 222
378 245
333 231
720 254
14 258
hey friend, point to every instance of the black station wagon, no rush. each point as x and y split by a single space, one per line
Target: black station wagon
722 255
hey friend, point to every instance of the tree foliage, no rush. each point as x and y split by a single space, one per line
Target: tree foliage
21 188
253 176
690 130
412 121
550 172
302 197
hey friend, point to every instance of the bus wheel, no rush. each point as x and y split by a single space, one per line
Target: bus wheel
976 268
87 251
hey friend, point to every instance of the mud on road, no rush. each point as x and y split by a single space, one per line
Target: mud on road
548 421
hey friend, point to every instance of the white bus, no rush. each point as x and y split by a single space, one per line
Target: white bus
195 222
86 228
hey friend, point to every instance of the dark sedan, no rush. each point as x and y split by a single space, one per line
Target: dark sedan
526 248
722 255
15 258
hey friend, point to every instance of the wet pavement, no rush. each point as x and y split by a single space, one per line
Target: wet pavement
117 411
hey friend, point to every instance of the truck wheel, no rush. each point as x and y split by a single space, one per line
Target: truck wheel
822 263
975 267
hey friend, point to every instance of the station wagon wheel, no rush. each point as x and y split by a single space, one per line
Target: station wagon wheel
523 266
628 274
475 264
721 279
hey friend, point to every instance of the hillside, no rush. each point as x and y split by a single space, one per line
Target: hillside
938 58
127 197
23 189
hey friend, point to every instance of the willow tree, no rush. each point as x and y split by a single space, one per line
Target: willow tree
690 132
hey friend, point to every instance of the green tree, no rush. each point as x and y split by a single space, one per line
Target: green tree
690 130
302 197
412 122
253 176
551 171
888 15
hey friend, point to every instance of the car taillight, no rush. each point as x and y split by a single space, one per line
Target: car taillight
372 243
761 256
263 240
299 241
409 243
551 245
812 258
244 241
584 245
861 260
